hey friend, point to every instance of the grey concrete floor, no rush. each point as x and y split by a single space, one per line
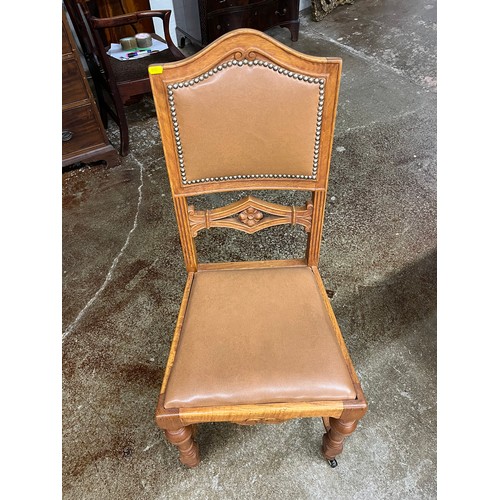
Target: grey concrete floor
123 277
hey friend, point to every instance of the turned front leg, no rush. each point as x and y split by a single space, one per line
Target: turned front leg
182 437
333 440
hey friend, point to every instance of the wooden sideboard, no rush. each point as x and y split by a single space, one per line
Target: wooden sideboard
84 139
202 21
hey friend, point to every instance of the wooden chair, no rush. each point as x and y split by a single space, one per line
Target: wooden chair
255 342
117 82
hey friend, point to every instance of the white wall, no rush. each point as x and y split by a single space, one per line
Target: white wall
158 24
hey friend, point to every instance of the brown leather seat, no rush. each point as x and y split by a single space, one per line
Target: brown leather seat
257 336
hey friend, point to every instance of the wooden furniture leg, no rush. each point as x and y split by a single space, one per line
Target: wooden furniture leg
326 423
333 440
293 26
182 437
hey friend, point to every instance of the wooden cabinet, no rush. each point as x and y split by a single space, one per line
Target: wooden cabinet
84 139
202 21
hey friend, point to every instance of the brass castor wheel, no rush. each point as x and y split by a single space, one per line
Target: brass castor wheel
333 463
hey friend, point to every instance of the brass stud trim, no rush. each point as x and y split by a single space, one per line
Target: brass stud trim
320 82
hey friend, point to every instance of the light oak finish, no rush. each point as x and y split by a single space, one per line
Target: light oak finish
255 264
178 328
249 215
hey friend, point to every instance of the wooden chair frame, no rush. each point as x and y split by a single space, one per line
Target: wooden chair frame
239 47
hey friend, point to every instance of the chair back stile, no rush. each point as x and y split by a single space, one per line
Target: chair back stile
247 113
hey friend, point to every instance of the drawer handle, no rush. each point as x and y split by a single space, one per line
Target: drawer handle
67 135
281 13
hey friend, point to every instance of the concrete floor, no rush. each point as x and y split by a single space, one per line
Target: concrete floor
123 277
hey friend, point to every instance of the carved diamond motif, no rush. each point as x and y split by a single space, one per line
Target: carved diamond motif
247 215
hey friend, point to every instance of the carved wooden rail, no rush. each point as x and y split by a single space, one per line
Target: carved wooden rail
252 215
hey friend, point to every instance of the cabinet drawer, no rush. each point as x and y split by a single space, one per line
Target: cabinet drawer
73 86
213 5
259 16
84 130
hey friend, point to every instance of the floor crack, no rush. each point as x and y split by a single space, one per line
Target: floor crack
392 119
368 58
109 276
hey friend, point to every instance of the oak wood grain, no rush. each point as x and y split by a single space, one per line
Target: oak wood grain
256 264
252 216
269 411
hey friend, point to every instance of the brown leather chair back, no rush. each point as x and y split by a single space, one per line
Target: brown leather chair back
248 118
247 113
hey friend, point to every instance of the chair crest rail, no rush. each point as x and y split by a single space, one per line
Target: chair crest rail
250 215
